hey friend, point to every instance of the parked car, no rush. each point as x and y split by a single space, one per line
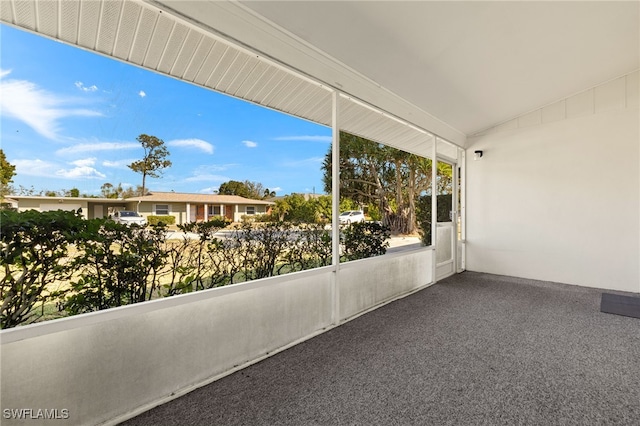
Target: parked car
351 216
129 217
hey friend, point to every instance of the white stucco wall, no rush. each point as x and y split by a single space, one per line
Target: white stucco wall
369 282
556 195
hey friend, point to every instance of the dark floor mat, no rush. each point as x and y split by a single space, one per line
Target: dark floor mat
627 306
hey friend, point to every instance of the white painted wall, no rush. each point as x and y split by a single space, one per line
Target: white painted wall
369 282
556 195
106 366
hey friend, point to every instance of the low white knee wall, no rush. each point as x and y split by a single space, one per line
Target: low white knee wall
103 367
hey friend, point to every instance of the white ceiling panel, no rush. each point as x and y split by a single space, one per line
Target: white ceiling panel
25 13
159 41
90 17
471 64
48 18
365 121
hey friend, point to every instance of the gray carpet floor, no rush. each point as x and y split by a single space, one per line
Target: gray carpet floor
474 349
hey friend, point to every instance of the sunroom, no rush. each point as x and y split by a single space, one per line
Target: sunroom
533 106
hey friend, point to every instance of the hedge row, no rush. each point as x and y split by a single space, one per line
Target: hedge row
59 259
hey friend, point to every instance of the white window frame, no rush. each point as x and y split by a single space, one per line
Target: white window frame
155 209
212 210
246 210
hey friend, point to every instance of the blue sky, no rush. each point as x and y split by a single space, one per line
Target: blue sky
70 118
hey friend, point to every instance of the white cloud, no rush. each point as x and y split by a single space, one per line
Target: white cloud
40 168
4 73
35 167
276 189
119 164
80 85
250 144
39 109
304 138
82 172
98 146
86 162
199 144
142 94
209 190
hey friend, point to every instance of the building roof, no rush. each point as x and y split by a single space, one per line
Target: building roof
119 201
181 197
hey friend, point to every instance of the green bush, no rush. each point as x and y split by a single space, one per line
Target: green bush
364 239
218 222
310 247
118 265
35 255
195 265
156 220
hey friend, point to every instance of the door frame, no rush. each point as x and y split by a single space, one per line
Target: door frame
449 266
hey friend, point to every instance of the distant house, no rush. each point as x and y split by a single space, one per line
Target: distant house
91 208
186 207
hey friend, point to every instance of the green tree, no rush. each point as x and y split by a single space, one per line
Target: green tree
73 192
107 190
154 160
7 172
131 192
387 178
234 187
246 189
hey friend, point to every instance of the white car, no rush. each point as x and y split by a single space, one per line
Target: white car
129 217
351 216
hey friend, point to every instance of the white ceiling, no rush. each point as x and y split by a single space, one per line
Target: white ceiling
470 64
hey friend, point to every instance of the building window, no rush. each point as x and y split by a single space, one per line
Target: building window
214 211
250 210
162 209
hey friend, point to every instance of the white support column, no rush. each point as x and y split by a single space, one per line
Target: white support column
188 218
454 214
463 218
335 206
434 206
206 212
335 180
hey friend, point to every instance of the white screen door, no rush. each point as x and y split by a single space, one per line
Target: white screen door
446 224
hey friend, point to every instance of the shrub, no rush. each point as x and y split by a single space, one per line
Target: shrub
259 248
119 265
218 222
364 239
311 248
156 220
113 264
35 254
193 265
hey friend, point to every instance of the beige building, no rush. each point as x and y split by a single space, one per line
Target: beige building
91 208
186 207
